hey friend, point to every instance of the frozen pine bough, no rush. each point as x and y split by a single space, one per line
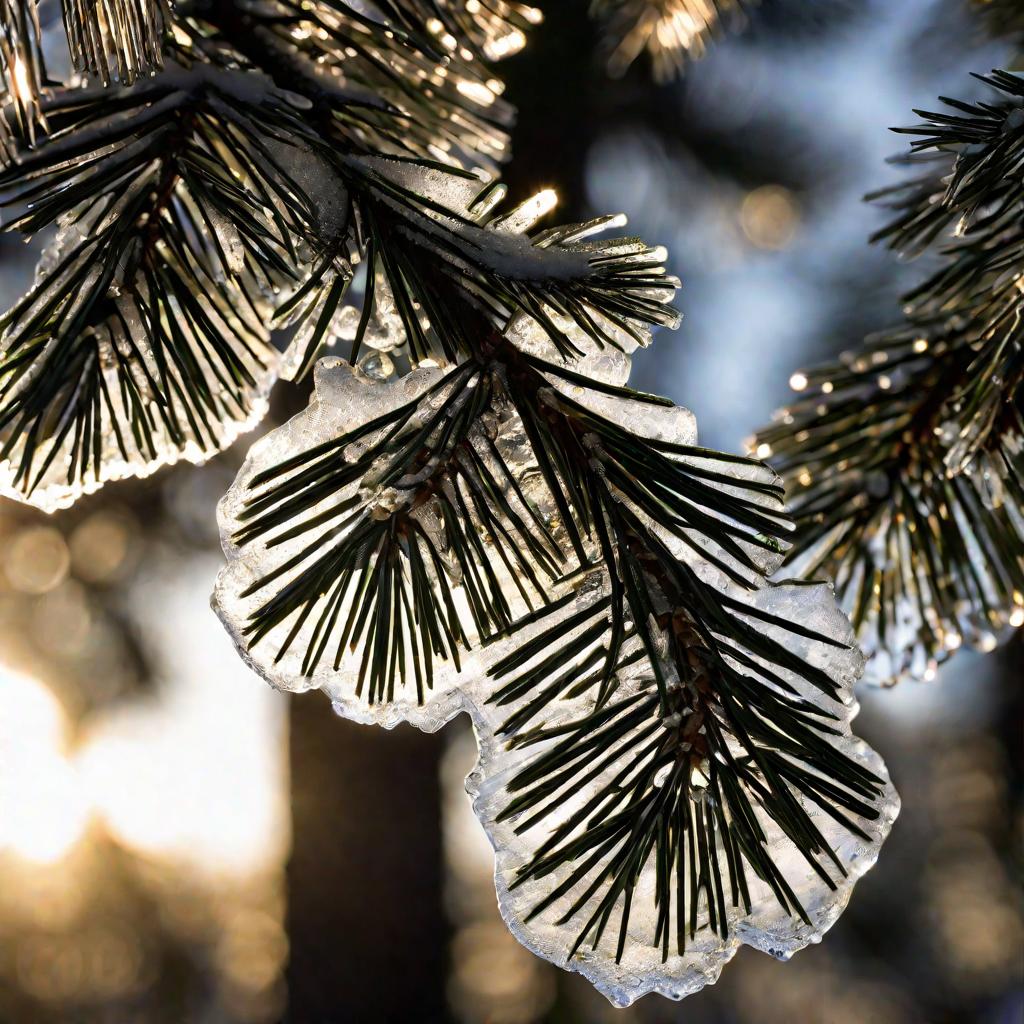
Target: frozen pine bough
905 460
667 768
641 842
144 338
207 171
475 513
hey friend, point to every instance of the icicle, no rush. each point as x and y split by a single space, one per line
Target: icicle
119 41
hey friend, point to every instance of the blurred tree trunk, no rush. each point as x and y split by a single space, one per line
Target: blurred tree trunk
366 922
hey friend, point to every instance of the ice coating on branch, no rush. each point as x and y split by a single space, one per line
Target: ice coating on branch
342 400
643 967
602 363
644 419
320 183
913 632
870 453
345 400
499 683
448 188
132 417
384 330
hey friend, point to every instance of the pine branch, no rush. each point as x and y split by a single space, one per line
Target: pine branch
496 266
455 436
144 338
701 709
923 560
182 138
22 73
507 529
670 32
904 462
115 40
970 153
660 833
519 518
245 194
377 83
491 29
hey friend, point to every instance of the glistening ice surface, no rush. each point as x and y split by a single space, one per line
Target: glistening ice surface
640 836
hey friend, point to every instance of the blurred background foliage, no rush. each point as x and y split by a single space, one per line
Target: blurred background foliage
177 843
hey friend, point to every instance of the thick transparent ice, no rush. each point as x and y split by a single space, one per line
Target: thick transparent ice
129 354
910 620
768 926
346 399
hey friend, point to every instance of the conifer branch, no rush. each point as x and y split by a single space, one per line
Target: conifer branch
905 462
144 336
670 32
550 550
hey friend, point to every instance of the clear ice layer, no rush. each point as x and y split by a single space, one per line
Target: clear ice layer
911 619
768 927
346 401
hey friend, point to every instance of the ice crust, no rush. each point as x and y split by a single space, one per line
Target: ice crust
347 398
344 399
920 628
128 333
768 928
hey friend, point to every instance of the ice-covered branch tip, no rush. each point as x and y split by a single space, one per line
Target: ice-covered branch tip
865 454
642 844
456 271
144 337
671 32
905 461
666 763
